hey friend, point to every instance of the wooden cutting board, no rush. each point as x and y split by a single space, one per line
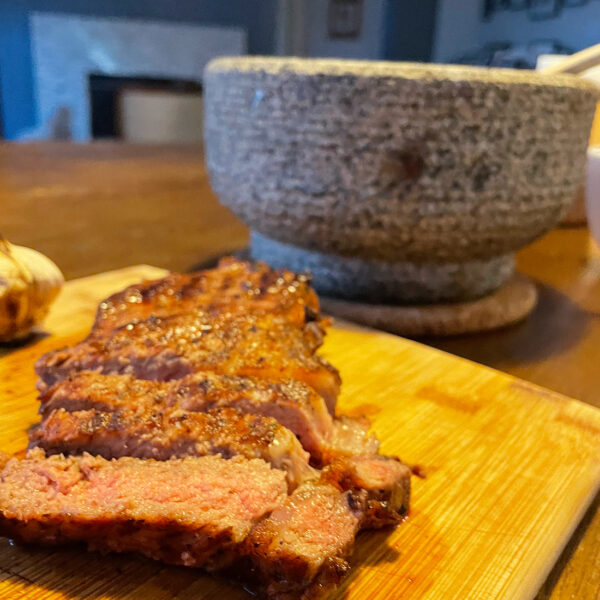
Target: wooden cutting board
509 470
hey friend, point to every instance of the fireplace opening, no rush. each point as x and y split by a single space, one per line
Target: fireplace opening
145 109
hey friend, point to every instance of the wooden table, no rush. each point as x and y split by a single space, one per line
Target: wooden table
103 206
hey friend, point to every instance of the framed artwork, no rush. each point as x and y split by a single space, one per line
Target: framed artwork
344 19
537 10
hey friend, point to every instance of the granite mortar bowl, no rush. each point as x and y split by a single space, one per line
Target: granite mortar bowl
394 182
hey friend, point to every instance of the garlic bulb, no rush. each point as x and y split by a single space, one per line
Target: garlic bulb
29 282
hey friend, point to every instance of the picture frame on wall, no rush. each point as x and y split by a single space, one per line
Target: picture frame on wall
344 19
537 10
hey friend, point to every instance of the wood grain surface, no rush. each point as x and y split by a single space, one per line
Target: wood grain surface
510 470
558 346
94 208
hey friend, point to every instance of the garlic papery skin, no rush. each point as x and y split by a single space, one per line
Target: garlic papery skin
29 283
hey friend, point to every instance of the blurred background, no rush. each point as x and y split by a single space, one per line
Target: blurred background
123 69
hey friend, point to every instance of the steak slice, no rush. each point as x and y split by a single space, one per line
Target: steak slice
117 415
191 511
300 550
349 437
235 285
294 404
147 431
164 348
384 480
237 319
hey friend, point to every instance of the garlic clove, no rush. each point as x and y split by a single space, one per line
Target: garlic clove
29 283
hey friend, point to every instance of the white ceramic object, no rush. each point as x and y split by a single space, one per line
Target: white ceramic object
553 63
592 191
161 117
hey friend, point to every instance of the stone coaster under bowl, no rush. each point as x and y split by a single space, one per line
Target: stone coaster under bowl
510 303
379 282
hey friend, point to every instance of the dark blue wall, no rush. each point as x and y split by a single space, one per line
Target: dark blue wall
16 79
409 29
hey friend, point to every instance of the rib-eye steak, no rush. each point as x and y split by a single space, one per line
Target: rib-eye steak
170 347
196 424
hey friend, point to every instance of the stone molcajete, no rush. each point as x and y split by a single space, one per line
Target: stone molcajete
394 182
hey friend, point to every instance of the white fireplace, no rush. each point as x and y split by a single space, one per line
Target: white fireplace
67 49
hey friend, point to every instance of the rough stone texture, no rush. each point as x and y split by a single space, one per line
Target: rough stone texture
509 304
378 281
395 161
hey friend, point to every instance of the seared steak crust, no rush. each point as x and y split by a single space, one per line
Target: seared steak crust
234 286
161 434
294 404
170 347
238 319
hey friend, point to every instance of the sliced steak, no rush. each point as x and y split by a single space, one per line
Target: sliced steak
385 481
171 347
294 404
147 431
120 416
203 512
219 367
235 286
191 511
300 550
237 319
